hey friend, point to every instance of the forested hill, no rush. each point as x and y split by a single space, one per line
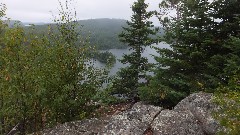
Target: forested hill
103 32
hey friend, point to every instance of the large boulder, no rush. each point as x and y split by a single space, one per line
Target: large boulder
191 116
201 106
84 127
132 122
170 122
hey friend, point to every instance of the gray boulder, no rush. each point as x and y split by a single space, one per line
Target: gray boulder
170 122
201 106
132 122
84 127
191 116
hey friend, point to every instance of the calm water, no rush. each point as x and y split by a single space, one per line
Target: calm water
148 52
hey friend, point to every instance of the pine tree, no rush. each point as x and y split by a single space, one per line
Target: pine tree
170 4
137 35
200 50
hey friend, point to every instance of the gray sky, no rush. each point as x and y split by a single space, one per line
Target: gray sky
39 10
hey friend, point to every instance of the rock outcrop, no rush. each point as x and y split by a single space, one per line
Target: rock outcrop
132 122
85 127
201 107
192 116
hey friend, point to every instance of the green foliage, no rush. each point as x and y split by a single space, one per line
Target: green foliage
137 35
105 97
202 54
155 93
228 98
105 57
2 24
45 80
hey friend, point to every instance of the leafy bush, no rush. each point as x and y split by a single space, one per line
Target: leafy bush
45 80
228 98
158 94
105 97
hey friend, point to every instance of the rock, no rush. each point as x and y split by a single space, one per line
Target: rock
201 106
170 122
191 116
132 122
84 127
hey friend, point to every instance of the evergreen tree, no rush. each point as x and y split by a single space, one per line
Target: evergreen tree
200 50
137 35
170 4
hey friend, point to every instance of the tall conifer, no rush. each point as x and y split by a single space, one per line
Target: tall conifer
200 50
137 35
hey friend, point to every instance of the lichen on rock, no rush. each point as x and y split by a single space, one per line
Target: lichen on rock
191 116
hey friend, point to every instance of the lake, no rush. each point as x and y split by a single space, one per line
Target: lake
148 53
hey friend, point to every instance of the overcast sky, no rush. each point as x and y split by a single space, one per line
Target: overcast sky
40 10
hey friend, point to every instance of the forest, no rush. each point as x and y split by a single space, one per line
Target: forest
47 78
102 33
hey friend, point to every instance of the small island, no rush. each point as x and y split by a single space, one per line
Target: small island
105 57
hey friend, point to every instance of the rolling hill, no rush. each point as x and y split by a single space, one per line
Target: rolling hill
103 32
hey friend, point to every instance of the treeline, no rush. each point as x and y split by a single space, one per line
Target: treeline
102 33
